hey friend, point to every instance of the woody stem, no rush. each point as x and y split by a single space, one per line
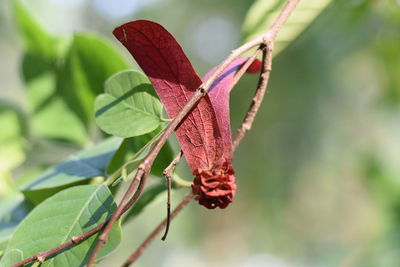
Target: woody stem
139 251
168 175
258 97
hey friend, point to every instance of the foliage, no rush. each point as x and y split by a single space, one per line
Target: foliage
69 213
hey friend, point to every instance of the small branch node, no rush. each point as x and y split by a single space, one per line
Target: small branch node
103 238
142 166
41 257
202 90
168 172
75 239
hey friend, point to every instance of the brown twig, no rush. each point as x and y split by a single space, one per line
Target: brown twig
140 176
246 65
75 240
168 172
157 230
258 97
144 168
42 256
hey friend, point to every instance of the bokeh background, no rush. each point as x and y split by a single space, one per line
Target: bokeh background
319 173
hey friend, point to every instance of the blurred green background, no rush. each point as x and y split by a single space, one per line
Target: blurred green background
319 173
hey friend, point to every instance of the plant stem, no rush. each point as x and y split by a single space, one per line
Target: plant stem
168 174
245 66
258 97
157 230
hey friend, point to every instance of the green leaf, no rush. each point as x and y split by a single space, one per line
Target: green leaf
10 257
12 138
55 221
263 13
13 210
89 163
36 39
51 117
89 62
129 106
35 197
389 57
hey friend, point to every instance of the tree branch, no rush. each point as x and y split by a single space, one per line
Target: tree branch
168 172
144 168
157 230
246 65
258 97
42 256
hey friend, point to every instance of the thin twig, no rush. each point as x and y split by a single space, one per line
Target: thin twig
168 172
258 97
144 168
157 230
168 207
245 66
75 240
42 256
139 177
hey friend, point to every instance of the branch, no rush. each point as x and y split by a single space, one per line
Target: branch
258 97
144 168
246 65
168 174
157 230
75 240
42 256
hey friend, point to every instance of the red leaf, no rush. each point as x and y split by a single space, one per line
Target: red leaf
175 81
